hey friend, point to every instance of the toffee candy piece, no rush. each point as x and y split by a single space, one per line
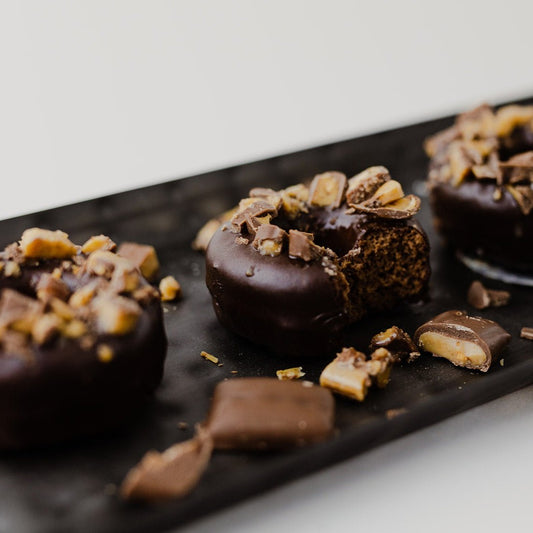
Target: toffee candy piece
82 343
467 341
397 341
480 297
296 288
268 414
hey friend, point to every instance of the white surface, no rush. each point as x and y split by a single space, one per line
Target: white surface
97 97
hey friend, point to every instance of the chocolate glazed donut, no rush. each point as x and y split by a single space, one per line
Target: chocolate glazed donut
480 183
293 268
82 339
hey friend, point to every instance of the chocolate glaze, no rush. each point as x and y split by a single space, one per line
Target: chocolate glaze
64 391
292 306
470 219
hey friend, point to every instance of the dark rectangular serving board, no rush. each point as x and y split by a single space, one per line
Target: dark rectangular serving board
71 487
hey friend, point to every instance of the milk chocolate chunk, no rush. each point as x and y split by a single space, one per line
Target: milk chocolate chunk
466 341
170 474
480 297
301 245
327 189
526 333
269 239
266 413
258 208
397 341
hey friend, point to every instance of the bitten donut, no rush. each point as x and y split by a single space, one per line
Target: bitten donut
480 184
82 342
292 268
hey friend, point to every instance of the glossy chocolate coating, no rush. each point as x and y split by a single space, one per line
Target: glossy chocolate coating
266 414
65 391
470 219
290 305
487 334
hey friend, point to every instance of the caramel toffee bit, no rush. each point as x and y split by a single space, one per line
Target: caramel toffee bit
46 328
209 357
301 246
393 413
11 269
269 239
523 195
290 373
518 168
169 289
398 342
18 312
43 244
143 256
526 333
170 474
115 315
205 233
266 414
327 189
98 242
105 353
50 287
467 341
294 200
351 373
480 297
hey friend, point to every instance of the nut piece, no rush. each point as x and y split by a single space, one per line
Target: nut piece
363 185
290 373
98 242
397 342
169 288
45 244
327 189
115 315
143 256
171 474
269 239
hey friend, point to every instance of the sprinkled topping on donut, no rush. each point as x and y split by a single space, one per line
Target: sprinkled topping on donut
487 145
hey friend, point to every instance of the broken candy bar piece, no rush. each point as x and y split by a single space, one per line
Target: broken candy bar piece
397 341
301 245
480 297
327 189
351 373
266 413
170 474
467 341
143 256
45 244
269 239
527 333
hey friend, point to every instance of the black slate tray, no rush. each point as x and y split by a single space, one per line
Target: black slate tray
71 487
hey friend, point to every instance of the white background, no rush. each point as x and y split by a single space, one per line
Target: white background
103 96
